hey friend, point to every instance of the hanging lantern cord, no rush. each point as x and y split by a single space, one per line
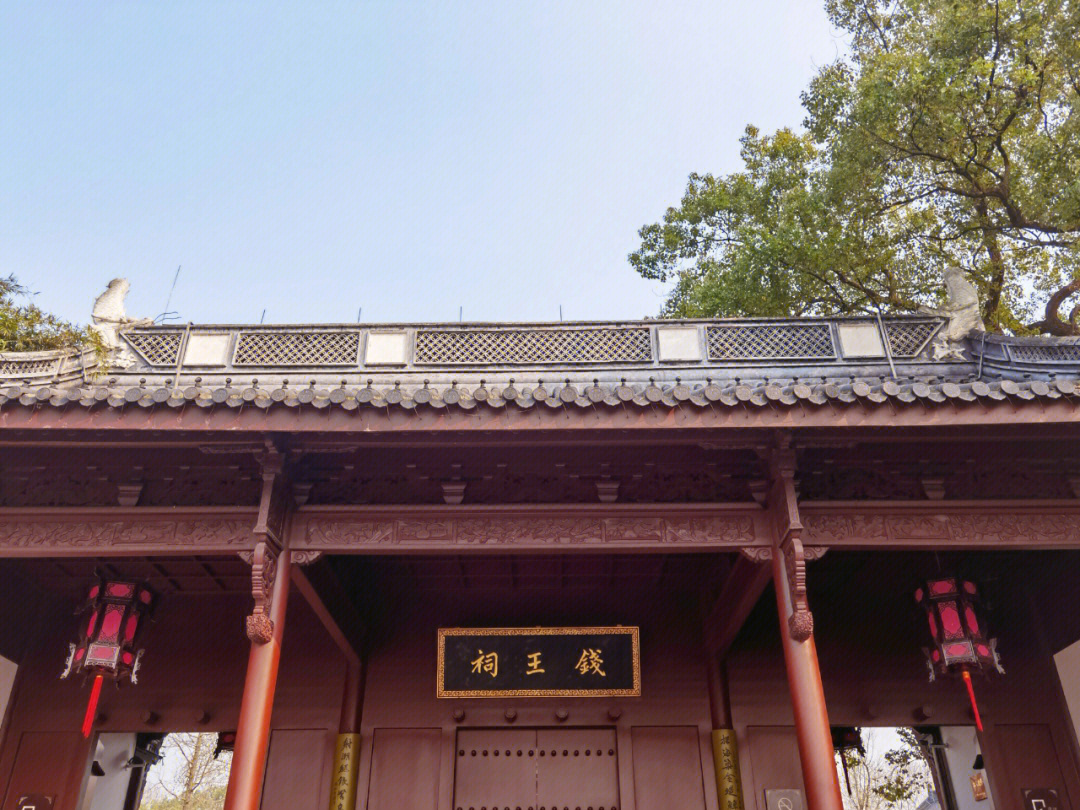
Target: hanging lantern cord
91 707
971 695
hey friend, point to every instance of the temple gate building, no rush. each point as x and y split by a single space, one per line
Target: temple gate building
654 565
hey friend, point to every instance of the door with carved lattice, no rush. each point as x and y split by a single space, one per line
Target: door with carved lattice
536 769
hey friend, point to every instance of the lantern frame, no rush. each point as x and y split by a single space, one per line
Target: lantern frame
955 615
115 614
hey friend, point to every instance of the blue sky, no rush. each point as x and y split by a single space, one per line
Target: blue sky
311 159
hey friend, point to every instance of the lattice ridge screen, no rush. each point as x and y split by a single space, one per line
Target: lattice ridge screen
908 338
30 368
512 346
771 341
157 348
1045 354
279 348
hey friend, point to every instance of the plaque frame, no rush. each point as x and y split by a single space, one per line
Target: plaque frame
445 632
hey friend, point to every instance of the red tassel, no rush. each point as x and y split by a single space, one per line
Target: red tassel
971 694
91 707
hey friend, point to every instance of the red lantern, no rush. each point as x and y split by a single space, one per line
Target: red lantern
114 613
961 643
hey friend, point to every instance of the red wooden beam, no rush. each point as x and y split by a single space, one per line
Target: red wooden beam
986 525
680 527
333 607
741 591
125 531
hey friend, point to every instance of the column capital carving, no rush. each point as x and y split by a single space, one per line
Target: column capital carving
801 620
275 501
259 625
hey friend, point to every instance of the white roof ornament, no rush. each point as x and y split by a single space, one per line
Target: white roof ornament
108 319
963 311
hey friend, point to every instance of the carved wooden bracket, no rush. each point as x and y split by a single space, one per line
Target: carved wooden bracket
801 620
274 500
784 505
295 557
269 534
762 554
453 492
607 491
758 554
128 494
260 628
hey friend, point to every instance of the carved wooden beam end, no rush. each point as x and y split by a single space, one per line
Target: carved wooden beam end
783 503
762 554
269 531
801 620
259 626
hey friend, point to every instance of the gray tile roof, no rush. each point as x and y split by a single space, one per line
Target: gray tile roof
719 363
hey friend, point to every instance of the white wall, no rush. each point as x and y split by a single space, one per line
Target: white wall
109 791
960 756
1068 667
7 680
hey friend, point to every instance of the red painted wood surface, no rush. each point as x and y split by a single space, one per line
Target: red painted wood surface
194 663
405 769
48 763
1039 766
867 632
668 769
808 703
297 768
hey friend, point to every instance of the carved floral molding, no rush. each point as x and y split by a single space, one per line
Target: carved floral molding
116 532
993 526
528 532
76 531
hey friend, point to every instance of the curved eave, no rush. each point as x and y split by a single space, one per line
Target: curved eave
854 403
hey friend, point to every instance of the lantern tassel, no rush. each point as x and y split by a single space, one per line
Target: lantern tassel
971 695
91 707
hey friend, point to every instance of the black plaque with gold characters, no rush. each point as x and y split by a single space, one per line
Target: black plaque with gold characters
539 662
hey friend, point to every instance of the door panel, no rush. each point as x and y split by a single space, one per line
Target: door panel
774 756
46 763
294 769
667 768
496 768
405 769
536 769
577 768
1031 760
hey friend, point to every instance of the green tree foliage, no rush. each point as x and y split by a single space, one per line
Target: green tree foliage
24 327
949 135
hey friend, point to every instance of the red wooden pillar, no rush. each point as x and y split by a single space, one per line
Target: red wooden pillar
797 636
347 751
808 702
253 729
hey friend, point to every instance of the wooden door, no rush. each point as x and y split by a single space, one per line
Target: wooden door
1031 763
496 768
577 768
536 769
405 769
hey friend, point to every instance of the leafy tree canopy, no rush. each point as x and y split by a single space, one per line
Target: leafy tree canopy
24 327
950 134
